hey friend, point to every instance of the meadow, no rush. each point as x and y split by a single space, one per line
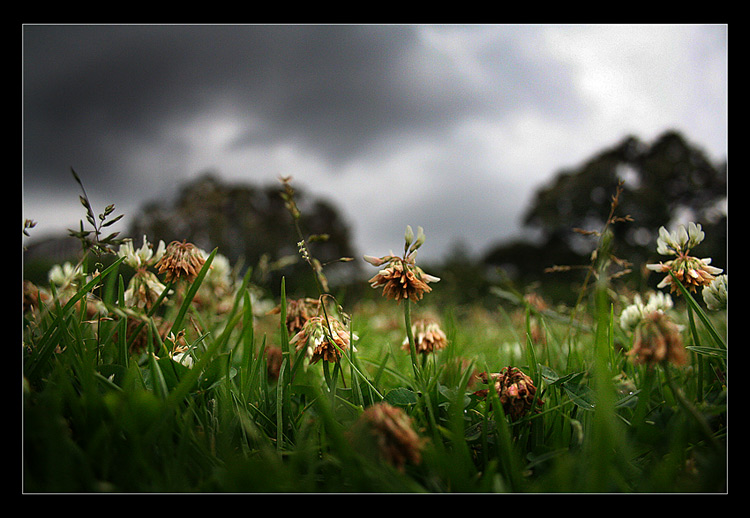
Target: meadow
162 370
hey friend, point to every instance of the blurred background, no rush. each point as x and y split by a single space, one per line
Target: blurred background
499 140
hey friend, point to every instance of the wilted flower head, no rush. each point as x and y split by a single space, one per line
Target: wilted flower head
428 336
298 311
143 290
400 277
180 261
715 294
691 271
657 339
386 432
322 343
515 390
144 256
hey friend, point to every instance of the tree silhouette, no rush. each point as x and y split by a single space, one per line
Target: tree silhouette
249 224
667 182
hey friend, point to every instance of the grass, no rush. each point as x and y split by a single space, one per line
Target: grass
100 418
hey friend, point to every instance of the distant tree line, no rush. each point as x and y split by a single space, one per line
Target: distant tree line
665 182
251 226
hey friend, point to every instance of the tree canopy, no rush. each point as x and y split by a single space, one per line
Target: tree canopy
666 182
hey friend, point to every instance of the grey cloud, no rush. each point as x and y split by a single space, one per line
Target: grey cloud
330 88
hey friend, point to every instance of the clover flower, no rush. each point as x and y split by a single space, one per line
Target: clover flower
180 261
428 336
515 390
387 433
143 290
691 271
321 343
401 278
298 311
715 294
657 339
144 256
632 315
65 275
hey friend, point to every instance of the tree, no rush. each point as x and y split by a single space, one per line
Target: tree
250 224
665 183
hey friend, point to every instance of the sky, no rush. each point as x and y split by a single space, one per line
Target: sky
449 127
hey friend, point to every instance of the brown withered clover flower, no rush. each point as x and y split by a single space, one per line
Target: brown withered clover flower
322 343
298 311
428 336
386 432
400 277
657 339
515 390
180 261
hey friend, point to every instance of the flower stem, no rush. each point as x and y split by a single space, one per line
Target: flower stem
410 336
691 410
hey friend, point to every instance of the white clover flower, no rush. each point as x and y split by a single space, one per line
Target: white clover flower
659 301
144 256
680 240
184 358
715 294
218 273
65 274
633 314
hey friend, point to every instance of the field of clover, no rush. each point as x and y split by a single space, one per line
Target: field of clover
187 378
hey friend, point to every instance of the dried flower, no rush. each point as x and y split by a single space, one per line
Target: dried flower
322 343
298 311
715 294
180 261
515 389
657 339
401 278
387 433
143 290
691 271
428 336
